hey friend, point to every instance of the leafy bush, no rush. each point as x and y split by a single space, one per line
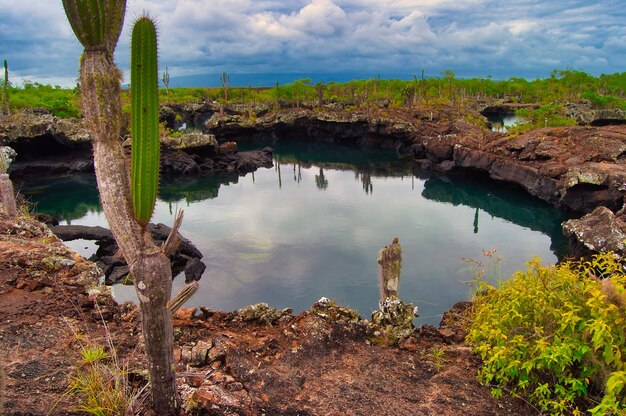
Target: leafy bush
604 101
62 102
548 115
557 335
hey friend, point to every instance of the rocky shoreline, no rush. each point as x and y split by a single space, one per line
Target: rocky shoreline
577 169
327 360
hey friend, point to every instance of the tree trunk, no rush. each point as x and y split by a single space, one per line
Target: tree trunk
7 197
153 283
150 267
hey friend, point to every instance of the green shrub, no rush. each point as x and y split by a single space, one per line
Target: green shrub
604 101
62 102
548 115
556 334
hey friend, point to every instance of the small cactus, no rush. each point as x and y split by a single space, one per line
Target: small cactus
166 81
145 119
5 88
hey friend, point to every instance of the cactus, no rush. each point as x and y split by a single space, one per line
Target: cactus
145 119
128 198
97 24
166 81
225 80
5 88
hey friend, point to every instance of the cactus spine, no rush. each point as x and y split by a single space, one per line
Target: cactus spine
145 119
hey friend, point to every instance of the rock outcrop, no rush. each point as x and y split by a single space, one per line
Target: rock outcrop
115 269
48 145
600 230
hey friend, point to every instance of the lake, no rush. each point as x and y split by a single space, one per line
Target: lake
312 226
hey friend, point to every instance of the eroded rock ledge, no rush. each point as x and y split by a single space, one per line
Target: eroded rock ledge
186 258
50 145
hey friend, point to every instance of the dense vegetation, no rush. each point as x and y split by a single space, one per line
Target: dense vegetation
62 102
556 335
605 91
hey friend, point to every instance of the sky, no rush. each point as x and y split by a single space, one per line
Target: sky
257 41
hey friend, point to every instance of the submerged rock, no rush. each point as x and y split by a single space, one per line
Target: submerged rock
114 267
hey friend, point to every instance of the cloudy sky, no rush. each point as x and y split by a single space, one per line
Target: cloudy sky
332 39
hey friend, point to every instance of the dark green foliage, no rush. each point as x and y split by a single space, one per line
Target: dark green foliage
145 119
605 91
62 102
548 115
604 101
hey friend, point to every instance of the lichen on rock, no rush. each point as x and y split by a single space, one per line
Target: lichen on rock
262 313
329 310
394 319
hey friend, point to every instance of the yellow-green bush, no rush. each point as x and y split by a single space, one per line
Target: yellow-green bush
556 334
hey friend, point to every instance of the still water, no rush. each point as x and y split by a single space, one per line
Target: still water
501 122
312 226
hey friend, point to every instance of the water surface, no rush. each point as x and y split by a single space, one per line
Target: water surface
312 226
501 122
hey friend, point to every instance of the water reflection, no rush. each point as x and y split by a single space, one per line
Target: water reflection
510 204
274 237
500 122
66 197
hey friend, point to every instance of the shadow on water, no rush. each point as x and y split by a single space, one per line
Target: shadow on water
67 197
193 188
508 203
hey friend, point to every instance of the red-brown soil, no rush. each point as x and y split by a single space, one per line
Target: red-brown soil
306 364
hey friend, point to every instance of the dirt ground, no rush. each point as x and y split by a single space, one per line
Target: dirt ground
324 361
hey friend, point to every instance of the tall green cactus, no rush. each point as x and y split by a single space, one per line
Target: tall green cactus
145 119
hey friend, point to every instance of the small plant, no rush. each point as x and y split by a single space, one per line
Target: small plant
557 335
100 384
438 356
101 387
93 353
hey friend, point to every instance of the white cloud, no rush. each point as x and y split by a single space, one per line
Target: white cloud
473 37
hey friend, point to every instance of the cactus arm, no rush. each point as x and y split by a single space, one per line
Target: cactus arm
145 119
97 24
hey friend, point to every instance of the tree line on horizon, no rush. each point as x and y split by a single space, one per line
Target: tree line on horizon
604 91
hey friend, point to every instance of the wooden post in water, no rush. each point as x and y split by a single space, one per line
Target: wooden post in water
390 260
